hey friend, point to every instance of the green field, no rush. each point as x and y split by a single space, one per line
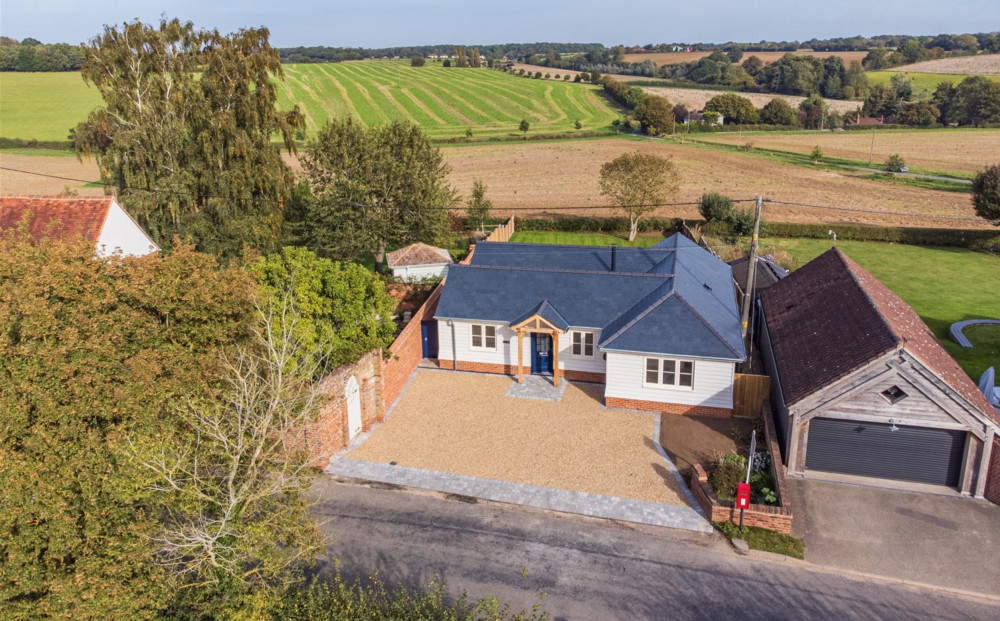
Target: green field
43 106
445 102
923 83
943 285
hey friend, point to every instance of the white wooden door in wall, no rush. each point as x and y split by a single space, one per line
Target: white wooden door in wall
352 394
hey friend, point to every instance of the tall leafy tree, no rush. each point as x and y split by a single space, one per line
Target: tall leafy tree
184 136
93 353
734 109
374 187
986 194
637 183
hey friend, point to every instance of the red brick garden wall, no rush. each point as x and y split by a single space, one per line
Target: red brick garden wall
776 518
407 351
667 408
992 492
329 433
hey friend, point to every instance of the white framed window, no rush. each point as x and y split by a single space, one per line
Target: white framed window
669 373
583 344
484 336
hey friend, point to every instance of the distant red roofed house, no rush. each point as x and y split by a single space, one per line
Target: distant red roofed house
419 261
867 120
861 387
101 221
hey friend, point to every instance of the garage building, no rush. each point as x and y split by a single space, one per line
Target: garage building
862 388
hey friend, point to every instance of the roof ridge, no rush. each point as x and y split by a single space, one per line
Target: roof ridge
732 309
519 268
846 261
680 296
652 305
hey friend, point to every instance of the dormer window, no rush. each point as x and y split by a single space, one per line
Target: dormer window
894 395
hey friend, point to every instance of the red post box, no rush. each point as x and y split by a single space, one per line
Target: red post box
743 496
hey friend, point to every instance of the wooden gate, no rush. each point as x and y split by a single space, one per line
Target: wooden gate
749 392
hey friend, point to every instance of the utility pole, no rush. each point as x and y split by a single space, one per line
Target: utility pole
752 267
871 151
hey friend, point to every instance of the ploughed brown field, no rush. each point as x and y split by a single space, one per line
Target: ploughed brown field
676 58
695 98
956 151
981 64
541 175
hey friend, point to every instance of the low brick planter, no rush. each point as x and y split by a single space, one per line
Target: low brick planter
777 518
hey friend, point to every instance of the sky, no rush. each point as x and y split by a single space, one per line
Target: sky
385 23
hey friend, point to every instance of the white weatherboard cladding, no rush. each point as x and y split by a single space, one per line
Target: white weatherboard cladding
416 273
458 338
713 382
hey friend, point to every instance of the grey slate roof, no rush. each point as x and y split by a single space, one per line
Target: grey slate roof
674 298
547 312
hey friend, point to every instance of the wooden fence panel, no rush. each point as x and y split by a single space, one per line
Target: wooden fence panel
749 392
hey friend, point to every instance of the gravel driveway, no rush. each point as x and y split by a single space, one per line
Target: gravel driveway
463 423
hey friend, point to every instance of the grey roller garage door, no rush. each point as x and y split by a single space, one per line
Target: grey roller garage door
873 450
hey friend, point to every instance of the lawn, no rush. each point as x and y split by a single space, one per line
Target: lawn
943 285
923 83
763 539
445 102
584 239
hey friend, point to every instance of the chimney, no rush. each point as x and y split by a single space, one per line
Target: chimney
614 256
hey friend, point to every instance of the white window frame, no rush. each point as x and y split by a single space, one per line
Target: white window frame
584 336
676 385
483 336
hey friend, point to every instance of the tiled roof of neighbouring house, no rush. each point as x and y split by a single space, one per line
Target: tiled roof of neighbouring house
56 217
418 254
674 298
831 317
768 272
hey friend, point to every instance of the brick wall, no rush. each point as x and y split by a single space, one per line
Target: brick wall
992 492
583 376
407 351
667 408
329 433
483 367
778 519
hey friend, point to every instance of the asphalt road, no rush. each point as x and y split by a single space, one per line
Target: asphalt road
596 570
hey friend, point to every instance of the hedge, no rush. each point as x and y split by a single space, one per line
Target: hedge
959 238
18 143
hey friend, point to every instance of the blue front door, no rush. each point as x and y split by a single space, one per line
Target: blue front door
541 358
429 334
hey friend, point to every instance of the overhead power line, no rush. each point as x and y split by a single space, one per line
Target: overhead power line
880 212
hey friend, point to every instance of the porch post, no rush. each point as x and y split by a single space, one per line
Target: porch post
984 465
555 359
520 356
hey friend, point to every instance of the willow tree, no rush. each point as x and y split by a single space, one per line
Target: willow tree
374 187
185 134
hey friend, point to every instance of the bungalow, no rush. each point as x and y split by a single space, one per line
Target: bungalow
659 326
862 390
101 221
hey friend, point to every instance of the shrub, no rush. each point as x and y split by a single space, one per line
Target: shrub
727 474
895 163
817 154
740 222
417 61
715 206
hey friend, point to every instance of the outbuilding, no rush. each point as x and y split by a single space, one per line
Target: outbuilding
863 391
418 262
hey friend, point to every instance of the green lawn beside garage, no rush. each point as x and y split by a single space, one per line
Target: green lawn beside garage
943 285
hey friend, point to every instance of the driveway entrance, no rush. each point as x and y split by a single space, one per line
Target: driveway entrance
948 541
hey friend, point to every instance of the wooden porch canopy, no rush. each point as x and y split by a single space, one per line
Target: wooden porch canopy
540 325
